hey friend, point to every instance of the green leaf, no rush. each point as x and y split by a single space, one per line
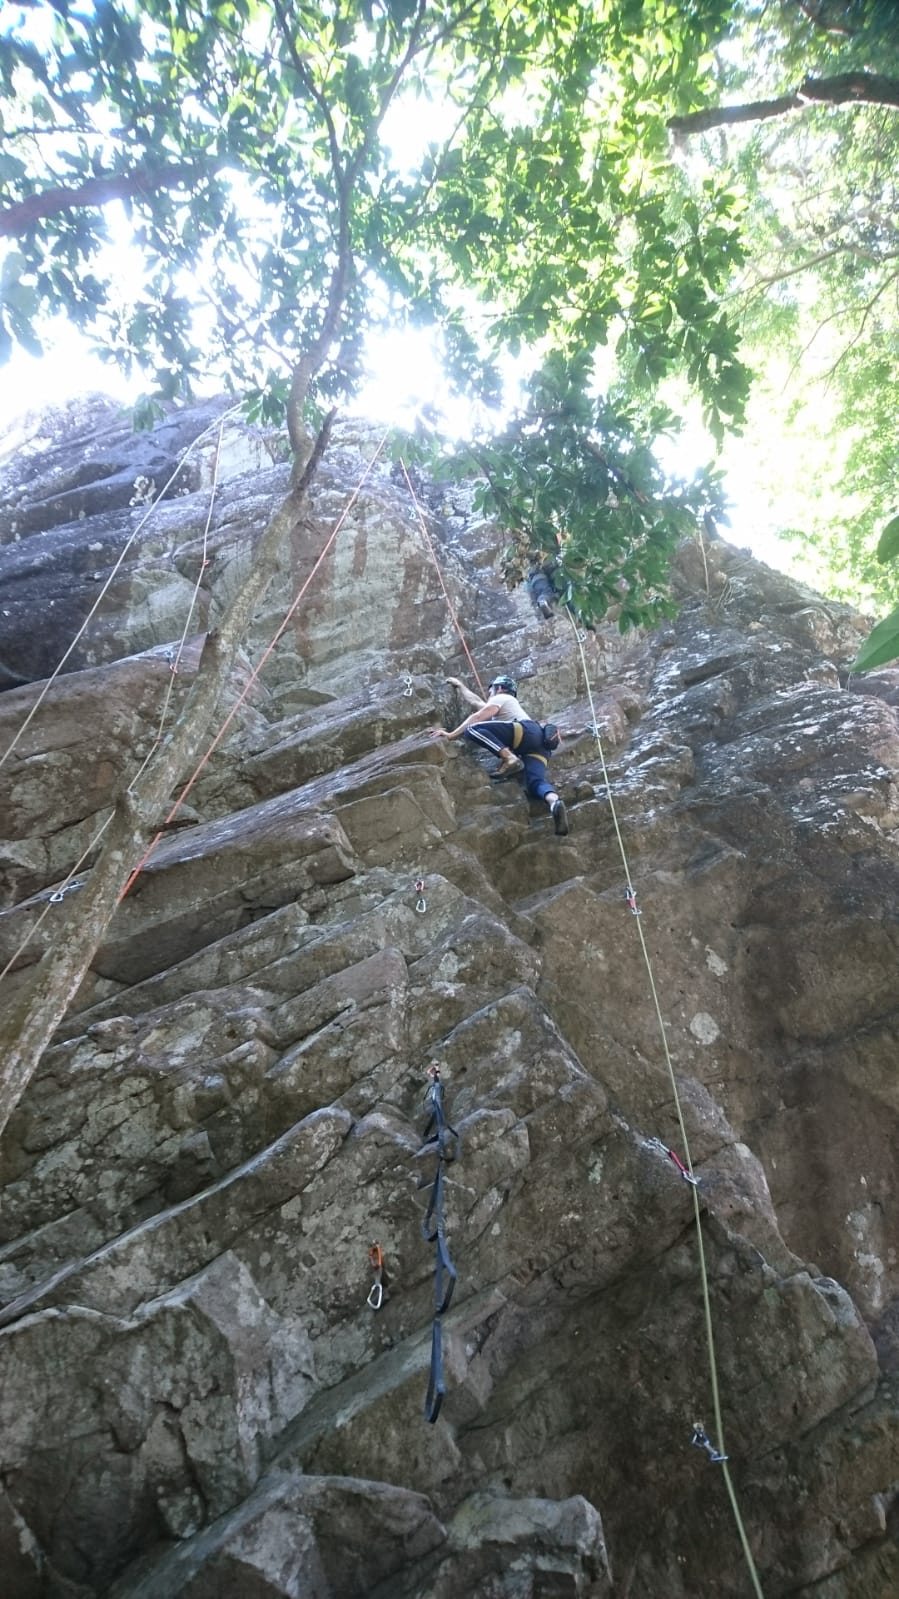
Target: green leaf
888 543
881 645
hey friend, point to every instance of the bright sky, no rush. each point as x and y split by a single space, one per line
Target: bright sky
405 378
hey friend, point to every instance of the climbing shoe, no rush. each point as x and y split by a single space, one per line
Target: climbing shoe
560 818
546 609
509 768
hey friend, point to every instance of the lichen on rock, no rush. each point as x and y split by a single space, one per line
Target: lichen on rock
197 1398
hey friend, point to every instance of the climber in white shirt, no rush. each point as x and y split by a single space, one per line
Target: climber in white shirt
523 746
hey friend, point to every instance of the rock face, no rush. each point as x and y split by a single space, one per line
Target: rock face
196 1397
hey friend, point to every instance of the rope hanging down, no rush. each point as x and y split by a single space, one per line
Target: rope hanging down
282 628
715 1450
72 881
108 583
443 1141
430 543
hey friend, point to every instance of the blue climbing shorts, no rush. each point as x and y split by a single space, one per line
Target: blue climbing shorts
526 740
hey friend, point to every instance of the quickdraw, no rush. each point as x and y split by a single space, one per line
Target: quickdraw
443 1140
409 686
687 1175
376 1261
630 895
701 1440
421 903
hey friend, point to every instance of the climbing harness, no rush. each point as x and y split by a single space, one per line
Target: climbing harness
442 1140
376 1261
408 686
699 1435
702 1441
421 903
687 1175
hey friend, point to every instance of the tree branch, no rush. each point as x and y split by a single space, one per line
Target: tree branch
766 279
345 171
816 14
724 116
857 88
140 182
869 307
848 88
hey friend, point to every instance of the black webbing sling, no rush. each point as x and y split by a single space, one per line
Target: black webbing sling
442 1140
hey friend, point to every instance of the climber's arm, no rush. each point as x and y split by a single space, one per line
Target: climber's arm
468 696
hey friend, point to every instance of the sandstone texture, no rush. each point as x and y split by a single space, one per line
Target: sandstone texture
196 1397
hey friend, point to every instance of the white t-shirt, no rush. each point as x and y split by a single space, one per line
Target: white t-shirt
509 708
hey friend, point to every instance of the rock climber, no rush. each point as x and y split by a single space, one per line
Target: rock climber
540 588
523 746
547 585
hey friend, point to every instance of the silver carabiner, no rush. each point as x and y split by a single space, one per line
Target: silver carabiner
409 689
375 1296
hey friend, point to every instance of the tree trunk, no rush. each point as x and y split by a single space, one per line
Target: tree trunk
28 1027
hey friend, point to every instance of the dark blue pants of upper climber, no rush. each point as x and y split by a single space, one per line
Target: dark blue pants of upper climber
526 740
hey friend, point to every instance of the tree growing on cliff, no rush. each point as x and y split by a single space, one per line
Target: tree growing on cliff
247 142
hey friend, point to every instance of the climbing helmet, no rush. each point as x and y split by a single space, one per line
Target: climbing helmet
506 685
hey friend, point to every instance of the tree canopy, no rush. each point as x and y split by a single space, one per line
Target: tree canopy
803 115
630 192
257 148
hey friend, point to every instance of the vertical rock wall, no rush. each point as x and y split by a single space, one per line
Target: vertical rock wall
196 1398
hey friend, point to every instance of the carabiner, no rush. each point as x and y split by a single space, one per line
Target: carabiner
376 1261
60 893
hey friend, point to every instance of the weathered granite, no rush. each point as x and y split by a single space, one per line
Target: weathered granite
196 1398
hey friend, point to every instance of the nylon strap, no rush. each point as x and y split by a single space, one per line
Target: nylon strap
443 1140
